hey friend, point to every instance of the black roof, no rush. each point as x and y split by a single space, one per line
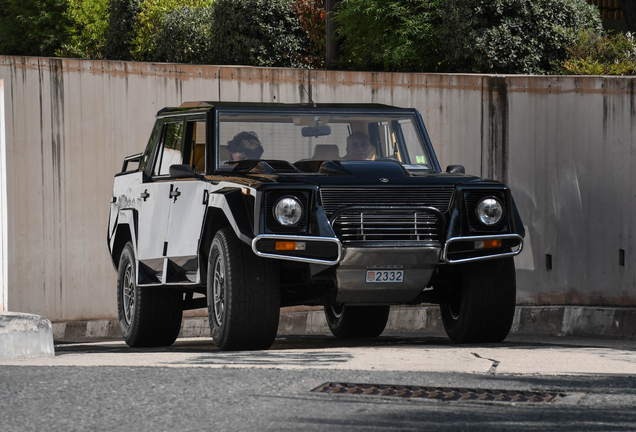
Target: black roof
202 106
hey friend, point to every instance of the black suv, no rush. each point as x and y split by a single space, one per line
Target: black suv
244 208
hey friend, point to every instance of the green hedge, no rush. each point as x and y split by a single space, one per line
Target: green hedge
184 36
87 29
511 36
388 35
478 36
150 18
122 14
33 27
258 33
599 54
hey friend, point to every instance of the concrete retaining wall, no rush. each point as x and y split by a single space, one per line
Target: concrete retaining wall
565 146
578 321
25 335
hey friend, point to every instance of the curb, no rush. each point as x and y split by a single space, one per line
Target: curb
607 322
25 335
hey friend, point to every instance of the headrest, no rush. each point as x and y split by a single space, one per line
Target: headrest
326 152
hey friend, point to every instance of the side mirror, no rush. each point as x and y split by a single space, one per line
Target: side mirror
456 169
181 171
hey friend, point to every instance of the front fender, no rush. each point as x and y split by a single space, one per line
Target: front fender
236 207
125 229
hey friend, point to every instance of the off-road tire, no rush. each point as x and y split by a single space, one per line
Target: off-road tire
485 306
246 317
154 317
356 321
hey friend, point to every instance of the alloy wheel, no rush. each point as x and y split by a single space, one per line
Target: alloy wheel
219 290
129 294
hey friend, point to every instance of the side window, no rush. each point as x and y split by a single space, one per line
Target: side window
145 158
171 148
412 142
196 133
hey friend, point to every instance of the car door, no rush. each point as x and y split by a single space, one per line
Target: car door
188 208
155 203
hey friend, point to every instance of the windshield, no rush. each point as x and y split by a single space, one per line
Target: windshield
321 136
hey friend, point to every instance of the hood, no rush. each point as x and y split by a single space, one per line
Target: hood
345 173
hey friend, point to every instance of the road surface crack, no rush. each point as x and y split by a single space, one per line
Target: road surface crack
493 367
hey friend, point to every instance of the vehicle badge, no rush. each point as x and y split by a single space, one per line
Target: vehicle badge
384 180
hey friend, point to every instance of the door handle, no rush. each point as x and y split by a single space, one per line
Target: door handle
174 193
145 195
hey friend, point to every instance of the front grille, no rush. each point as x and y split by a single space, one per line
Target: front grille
388 225
471 199
334 198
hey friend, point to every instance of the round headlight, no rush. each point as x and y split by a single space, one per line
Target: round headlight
489 211
288 211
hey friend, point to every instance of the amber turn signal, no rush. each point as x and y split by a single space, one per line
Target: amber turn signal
487 244
289 245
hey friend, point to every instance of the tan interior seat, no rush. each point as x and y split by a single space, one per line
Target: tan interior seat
326 152
199 157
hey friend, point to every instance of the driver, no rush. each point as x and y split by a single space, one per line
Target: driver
245 145
359 147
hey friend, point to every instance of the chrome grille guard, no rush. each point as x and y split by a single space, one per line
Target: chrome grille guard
389 224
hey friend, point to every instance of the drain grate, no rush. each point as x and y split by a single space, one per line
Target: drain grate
442 393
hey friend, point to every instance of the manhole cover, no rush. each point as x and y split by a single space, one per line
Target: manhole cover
442 393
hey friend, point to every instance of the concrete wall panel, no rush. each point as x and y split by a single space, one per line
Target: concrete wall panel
571 152
565 146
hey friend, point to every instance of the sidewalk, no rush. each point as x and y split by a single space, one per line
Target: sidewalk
600 321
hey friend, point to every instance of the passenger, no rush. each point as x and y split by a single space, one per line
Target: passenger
245 145
359 147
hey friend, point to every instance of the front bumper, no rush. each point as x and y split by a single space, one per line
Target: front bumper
418 262
318 250
462 249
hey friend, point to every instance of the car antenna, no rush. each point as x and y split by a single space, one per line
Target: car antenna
310 99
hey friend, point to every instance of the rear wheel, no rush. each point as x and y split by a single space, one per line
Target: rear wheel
243 295
485 307
356 321
148 317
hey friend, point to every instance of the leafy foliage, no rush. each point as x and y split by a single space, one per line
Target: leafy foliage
599 54
184 36
390 35
121 18
313 18
510 36
87 29
479 36
258 33
149 19
32 27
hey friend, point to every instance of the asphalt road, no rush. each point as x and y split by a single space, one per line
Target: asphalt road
192 386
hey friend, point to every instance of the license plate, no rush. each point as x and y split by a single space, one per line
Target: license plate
385 276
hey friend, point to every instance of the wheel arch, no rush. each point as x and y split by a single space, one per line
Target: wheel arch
215 220
124 233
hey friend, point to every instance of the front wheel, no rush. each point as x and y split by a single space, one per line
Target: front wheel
148 317
484 309
356 321
243 295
